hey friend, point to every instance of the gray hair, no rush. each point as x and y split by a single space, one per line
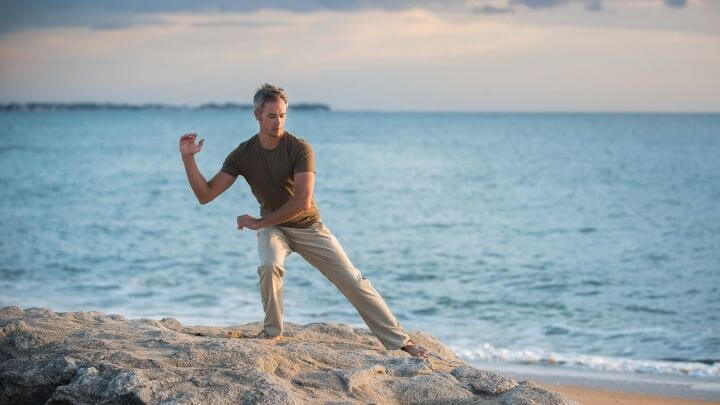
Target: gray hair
268 92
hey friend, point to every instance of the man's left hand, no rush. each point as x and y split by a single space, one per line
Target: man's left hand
246 221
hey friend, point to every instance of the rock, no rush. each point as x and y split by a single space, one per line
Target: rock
483 382
93 385
402 366
430 388
332 329
34 380
90 357
325 380
353 379
528 393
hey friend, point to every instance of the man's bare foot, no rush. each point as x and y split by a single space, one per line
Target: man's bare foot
264 335
415 350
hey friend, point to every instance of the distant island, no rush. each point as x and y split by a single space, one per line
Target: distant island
150 106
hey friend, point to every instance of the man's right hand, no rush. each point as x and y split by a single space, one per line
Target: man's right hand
188 147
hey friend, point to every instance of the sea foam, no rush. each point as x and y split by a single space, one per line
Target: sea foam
533 355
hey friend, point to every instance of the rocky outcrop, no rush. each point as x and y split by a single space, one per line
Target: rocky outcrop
91 358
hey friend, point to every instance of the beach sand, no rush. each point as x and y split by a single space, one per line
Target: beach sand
602 387
590 396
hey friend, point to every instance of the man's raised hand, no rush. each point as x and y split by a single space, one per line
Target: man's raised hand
188 147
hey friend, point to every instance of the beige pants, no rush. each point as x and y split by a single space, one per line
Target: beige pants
322 250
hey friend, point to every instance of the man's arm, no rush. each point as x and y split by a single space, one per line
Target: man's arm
304 183
204 191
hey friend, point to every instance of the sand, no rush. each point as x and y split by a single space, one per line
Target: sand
589 396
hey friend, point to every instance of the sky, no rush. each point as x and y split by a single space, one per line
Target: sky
471 55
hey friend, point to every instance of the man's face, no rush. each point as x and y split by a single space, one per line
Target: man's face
272 118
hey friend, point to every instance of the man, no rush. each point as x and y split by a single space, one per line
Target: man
280 171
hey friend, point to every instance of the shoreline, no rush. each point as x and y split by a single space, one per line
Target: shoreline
600 387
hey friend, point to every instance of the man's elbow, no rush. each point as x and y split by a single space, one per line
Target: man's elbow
304 205
204 199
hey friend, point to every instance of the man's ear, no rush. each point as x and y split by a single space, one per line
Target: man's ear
258 115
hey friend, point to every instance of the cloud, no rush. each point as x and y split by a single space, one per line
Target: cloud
109 14
486 9
112 15
236 23
539 3
675 3
590 5
109 24
557 58
593 5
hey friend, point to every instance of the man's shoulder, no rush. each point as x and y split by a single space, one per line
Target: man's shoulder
249 142
235 162
291 137
297 142
245 145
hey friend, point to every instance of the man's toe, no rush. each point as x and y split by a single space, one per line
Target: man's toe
265 335
416 350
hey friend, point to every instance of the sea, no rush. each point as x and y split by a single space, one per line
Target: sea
571 241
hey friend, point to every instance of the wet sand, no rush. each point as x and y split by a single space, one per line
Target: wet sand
590 396
604 387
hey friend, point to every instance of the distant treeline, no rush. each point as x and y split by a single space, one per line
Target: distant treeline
116 106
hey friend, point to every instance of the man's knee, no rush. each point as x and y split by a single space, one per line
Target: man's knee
270 269
347 277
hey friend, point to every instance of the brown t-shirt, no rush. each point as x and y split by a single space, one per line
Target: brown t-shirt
269 172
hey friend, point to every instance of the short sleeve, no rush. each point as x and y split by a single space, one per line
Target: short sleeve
231 164
304 158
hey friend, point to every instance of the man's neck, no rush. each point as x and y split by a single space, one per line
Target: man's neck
269 142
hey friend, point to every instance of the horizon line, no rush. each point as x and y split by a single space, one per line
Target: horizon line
96 105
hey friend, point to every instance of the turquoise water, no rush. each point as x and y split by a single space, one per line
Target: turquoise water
578 240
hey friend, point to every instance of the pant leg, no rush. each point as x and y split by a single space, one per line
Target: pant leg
273 248
321 249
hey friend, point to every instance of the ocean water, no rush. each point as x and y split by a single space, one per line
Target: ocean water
587 241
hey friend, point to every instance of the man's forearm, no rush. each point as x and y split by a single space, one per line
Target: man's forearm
197 182
285 213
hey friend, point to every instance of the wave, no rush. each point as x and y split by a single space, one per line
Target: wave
489 353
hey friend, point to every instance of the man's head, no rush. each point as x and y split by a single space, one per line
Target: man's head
270 108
